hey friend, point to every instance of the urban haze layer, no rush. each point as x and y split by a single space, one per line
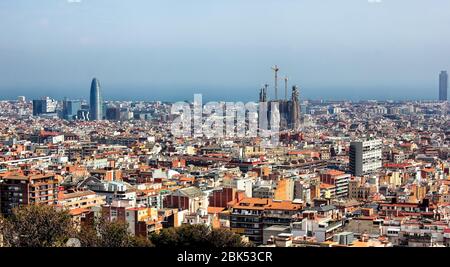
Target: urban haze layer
341 174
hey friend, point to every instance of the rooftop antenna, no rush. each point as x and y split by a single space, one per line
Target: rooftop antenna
286 79
276 69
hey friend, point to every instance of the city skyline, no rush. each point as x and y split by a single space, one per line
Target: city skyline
333 50
266 92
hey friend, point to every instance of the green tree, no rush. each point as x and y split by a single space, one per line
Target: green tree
43 226
88 236
193 235
167 237
37 226
220 238
114 234
141 241
196 236
105 233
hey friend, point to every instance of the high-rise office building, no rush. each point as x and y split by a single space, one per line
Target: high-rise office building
44 106
96 101
70 109
37 107
365 156
443 85
113 113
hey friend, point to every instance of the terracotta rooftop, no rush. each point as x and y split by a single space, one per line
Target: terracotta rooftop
22 176
214 210
326 186
77 194
334 172
283 205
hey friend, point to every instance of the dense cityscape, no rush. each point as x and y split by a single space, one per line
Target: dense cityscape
343 174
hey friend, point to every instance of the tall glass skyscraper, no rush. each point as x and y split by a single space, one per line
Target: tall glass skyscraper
443 85
96 101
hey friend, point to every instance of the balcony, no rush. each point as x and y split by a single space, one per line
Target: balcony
245 213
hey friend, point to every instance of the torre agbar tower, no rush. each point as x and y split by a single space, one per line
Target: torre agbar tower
96 101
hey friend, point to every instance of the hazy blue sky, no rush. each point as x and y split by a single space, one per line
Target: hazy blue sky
170 49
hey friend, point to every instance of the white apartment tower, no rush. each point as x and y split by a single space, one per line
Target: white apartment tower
365 156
